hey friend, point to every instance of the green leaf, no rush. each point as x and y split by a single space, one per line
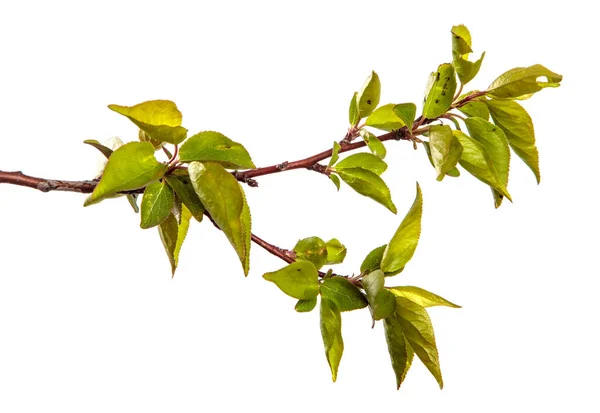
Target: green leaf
353 115
368 184
495 143
156 204
401 353
172 235
182 185
517 125
106 151
335 180
406 112
345 295
312 249
144 137
454 172
522 82
223 198
476 160
305 306
362 160
465 69
461 40
374 144
445 149
298 280
334 154
336 252
159 119
385 118
440 95
421 297
372 261
368 96
130 167
212 146
132 199
404 242
476 109
331 331
418 330
382 302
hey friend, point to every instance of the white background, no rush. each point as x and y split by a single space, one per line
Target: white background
90 319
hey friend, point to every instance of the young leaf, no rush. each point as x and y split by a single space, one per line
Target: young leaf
495 143
336 252
440 95
385 118
345 295
368 184
159 119
362 160
212 146
374 144
132 166
517 125
331 331
143 137
454 172
223 198
156 204
461 40
353 115
404 242
182 185
406 112
334 154
173 233
312 249
476 109
421 297
445 149
305 306
372 261
382 302
132 199
401 353
368 96
478 162
418 330
465 69
106 151
522 82
298 279
335 180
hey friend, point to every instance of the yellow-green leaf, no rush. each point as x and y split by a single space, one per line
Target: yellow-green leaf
212 146
445 149
106 151
522 82
336 252
130 167
223 198
345 295
492 138
440 95
353 115
401 353
406 112
465 69
335 180
476 160
382 302
305 306
385 118
374 144
159 119
172 235
418 330
421 297
331 331
517 125
404 242
182 185
298 280
334 154
156 204
368 184
368 96
312 249
476 109
461 39
362 160
372 262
